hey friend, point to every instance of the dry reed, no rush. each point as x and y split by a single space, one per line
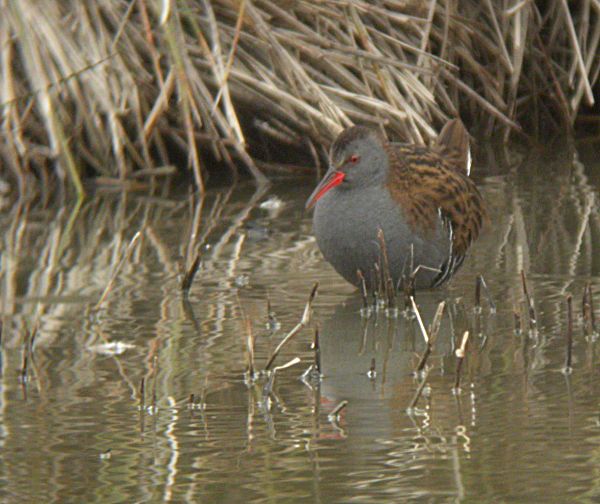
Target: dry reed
113 88
306 317
460 357
434 329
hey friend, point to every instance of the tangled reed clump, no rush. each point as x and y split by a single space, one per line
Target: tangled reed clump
113 89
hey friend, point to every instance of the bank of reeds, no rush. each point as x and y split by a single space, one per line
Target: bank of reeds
114 89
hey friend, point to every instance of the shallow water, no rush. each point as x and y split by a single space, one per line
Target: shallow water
73 429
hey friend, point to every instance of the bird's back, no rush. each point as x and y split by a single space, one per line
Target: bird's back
431 184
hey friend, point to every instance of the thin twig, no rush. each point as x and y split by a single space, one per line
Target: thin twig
268 388
409 288
419 319
366 309
190 274
335 413
460 357
433 332
380 284
306 316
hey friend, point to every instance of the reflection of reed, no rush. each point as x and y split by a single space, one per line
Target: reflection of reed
548 222
56 263
72 255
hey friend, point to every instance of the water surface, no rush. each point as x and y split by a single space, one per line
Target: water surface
74 428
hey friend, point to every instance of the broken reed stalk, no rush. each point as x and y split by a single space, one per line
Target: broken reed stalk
306 316
268 388
366 309
117 269
387 276
188 278
419 391
415 309
460 355
529 301
380 294
434 329
569 353
335 412
437 321
423 360
408 287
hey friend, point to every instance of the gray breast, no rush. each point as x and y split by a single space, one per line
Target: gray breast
346 223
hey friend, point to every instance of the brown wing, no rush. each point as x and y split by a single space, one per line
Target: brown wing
453 145
427 188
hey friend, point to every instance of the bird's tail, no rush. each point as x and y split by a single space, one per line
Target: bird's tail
453 141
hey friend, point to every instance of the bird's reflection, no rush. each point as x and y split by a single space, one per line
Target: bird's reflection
361 356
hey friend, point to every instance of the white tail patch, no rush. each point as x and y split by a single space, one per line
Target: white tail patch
469 160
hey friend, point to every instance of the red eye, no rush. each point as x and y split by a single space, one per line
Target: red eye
354 158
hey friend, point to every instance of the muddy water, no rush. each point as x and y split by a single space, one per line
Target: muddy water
73 427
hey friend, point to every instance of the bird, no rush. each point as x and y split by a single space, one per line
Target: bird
412 210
